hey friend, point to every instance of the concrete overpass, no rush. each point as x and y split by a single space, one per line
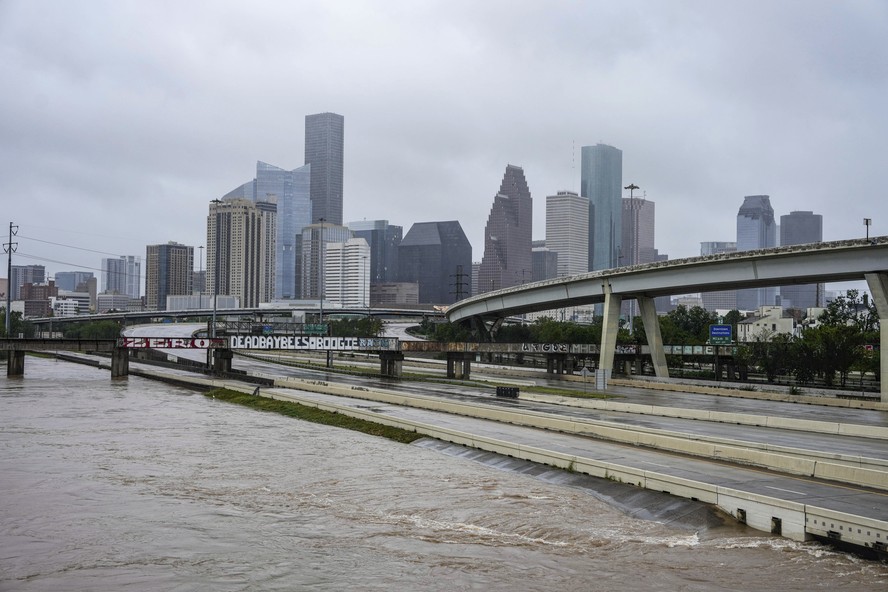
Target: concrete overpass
837 261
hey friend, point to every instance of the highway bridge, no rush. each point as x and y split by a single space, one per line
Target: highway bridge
270 312
801 264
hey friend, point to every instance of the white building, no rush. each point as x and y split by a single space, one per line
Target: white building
765 324
567 231
347 273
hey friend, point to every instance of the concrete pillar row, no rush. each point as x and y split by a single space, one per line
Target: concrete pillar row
878 285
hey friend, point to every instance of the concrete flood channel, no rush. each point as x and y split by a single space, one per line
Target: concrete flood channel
852 516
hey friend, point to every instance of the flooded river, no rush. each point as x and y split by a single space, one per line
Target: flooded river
139 485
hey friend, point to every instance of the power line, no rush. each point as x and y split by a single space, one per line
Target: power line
70 246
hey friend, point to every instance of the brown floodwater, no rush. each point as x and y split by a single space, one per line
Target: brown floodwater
139 485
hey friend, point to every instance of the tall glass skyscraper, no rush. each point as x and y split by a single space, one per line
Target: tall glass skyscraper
290 190
324 142
756 229
799 228
602 182
507 257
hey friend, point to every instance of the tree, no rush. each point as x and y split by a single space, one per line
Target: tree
853 309
689 326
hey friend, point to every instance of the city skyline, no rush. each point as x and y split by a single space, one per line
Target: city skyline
116 142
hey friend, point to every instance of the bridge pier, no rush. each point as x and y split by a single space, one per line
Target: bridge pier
15 363
610 326
559 364
878 285
391 363
222 360
119 362
655 338
459 365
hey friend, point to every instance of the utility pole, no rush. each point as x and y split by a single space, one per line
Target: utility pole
9 249
460 284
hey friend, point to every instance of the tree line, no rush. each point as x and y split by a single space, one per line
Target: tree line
828 350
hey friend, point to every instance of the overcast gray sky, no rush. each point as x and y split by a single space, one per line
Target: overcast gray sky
120 121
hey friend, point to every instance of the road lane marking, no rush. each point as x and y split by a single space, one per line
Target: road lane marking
786 490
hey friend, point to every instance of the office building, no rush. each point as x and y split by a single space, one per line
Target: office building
72 280
799 228
383 239
756 229
324 143
567 232
394 294
638 232
24 274
347 273
544 261
723 300
241 237
637 248
168 272
602 183
507 236
311 250
289 190
437 256
122 275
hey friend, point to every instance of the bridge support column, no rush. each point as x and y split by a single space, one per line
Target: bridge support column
878 285
391 364
15 363
459 365
610 326
222 360
119 362
655 338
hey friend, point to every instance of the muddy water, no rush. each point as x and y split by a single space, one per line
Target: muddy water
139 485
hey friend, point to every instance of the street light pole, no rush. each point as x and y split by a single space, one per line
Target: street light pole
866 222
321 269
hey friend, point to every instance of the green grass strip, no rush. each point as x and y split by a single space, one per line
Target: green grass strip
314 415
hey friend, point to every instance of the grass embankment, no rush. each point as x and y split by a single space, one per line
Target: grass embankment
314 415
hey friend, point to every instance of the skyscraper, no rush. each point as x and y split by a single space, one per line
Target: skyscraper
168 269
602 182
638 232
24 274
383 239
545 261
123 276
69 280
347 272
311 252
567 231
756 229
290 191
437 256
324 143
507 237
722 299
799 228
241 238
